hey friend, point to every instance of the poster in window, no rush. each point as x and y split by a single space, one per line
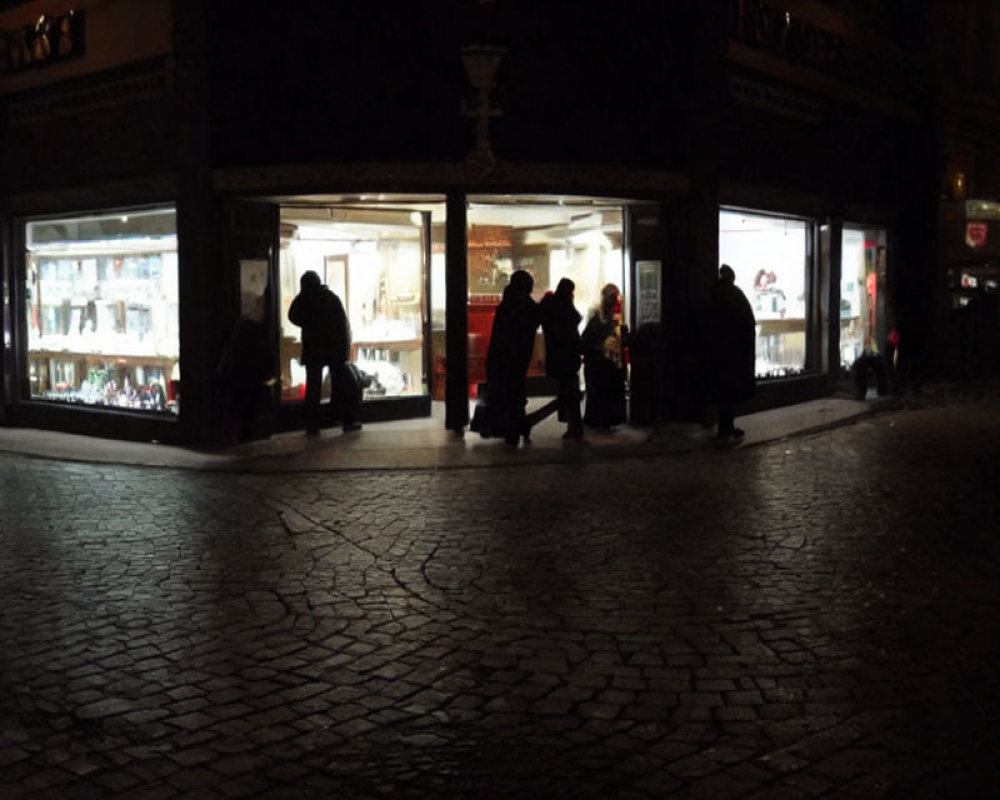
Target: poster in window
253 284
648 281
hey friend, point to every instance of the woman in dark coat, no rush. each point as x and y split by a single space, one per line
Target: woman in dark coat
731 337
604 361
561 326
512 340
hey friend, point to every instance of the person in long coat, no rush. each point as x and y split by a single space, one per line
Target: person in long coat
603 341
731 337
326 342
508 357
561 326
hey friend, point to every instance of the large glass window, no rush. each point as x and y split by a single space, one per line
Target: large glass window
101 310
579 238
376 260
862 280
771 256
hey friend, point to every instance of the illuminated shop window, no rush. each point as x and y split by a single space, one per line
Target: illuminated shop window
101 310
862 280
376 260
579 238
770 256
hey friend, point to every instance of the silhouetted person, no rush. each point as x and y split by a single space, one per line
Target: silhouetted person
245 375
603 343
512 341
561 326
731 338
326 342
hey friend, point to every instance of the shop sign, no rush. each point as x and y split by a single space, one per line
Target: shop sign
774 99
976 234
982 209
762 26
51 40
133 89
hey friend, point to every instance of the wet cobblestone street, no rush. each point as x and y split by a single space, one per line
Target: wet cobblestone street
814 617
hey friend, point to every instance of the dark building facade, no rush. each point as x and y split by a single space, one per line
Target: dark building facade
168 173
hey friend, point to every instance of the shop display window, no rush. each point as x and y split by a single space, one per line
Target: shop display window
551 238
771 256
862 278
101 310
375 260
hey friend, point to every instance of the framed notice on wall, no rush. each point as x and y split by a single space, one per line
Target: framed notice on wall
648 284
253 284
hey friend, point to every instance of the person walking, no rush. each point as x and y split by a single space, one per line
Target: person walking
326 342
603 342
561 326
512 340
731 337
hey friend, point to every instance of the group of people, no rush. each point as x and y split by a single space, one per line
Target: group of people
730 339
601 348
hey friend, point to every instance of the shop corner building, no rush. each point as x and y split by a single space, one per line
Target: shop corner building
170 168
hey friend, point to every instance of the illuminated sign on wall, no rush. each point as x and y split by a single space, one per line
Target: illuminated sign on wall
52 39
976 234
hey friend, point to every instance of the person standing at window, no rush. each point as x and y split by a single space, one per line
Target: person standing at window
560 324
326 342
603 342
731 336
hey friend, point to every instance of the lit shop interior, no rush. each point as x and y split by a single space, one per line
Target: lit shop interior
862 293
771 258
101 310
385 258
376 260
575 238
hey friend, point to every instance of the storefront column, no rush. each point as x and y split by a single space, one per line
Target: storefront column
197 229
6 327
456 315
692 270
831 268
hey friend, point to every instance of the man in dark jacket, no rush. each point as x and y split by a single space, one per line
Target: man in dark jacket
561 326
326 342
731 335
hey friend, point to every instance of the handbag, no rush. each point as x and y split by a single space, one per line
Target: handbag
478 423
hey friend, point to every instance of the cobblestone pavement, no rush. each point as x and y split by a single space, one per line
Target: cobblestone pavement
815 617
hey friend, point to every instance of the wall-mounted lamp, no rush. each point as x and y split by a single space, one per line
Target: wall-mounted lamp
958 186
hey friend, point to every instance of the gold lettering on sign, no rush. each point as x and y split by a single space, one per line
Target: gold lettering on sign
52 39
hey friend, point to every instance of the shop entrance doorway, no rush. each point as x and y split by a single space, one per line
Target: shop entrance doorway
377 260
862 293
